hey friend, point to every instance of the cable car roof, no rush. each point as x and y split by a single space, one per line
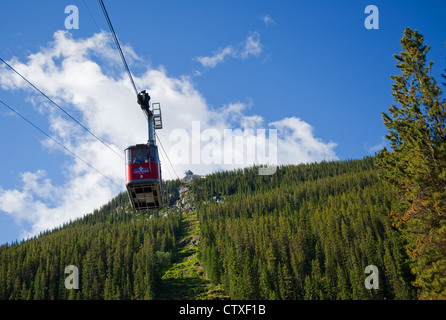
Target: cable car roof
141 145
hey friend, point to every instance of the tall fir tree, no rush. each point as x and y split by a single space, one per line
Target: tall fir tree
417 164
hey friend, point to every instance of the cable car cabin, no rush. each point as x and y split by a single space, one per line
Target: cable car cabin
143 176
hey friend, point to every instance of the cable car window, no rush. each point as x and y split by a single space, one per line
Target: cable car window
153 154
140 156
128 158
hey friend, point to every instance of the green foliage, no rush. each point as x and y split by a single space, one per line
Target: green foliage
120 254
307 232
417 166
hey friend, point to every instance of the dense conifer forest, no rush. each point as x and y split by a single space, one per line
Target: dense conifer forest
120 254
306 232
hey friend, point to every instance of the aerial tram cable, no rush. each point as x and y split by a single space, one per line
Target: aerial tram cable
142 164
162 158
91 15
62 109
59 143
166 155
143 179
118 45
107 17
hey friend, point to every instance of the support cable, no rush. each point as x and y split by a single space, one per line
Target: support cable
166 155
129 73
118 45
59 143
62 109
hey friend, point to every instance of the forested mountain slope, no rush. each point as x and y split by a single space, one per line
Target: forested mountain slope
306 232
120 254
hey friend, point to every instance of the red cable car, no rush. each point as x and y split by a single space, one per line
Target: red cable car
142 165
143 176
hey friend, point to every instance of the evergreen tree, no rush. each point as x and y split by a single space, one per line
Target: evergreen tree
287 291
417 165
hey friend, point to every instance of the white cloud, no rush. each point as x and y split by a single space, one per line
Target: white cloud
251 122
376 147
101 94
218 57
297 143
251 46
267 20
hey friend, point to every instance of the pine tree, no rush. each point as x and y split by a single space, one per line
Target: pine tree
342 286
285 283
417 165
309 290
212 261
265 280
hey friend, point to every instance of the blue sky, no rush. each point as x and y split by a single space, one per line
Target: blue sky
309 69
